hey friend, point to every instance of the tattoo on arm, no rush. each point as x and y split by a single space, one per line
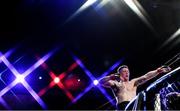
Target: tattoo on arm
146 77
140 81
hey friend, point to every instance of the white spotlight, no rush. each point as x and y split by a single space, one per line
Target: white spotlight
169 85
173 37
95 82
56 80
20 78
87 4
40 77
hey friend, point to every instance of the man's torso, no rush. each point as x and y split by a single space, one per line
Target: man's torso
124 91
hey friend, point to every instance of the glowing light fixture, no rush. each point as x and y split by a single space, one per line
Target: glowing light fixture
20 78
95 82
56 80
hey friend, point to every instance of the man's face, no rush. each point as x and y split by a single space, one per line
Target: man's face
125 74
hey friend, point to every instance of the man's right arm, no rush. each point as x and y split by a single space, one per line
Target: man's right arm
108 81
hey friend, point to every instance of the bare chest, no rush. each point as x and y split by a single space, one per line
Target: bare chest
128 86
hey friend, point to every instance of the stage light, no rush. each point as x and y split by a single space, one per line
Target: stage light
87 4
174 36
5 105
135 6
40 77
169 85
82 8
56 80
20 78
7 54
102 3
95 82
79 80
2 101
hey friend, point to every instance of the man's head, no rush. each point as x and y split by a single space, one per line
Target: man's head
124 72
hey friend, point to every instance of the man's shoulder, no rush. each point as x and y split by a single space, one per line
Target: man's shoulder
133 80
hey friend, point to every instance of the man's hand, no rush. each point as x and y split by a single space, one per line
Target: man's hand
114 76
163 69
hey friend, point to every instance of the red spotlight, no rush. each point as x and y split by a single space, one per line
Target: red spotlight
56 80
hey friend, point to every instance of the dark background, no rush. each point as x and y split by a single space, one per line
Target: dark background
99 38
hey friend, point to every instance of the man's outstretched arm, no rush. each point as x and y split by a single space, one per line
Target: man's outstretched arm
151 74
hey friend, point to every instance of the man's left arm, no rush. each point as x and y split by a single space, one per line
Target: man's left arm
151 74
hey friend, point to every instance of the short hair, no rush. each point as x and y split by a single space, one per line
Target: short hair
121 67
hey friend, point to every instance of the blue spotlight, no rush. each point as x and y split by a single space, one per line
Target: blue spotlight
4 103
82 93
20 78
40 77
95 82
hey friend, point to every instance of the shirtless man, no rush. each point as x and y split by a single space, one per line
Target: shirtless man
125 90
